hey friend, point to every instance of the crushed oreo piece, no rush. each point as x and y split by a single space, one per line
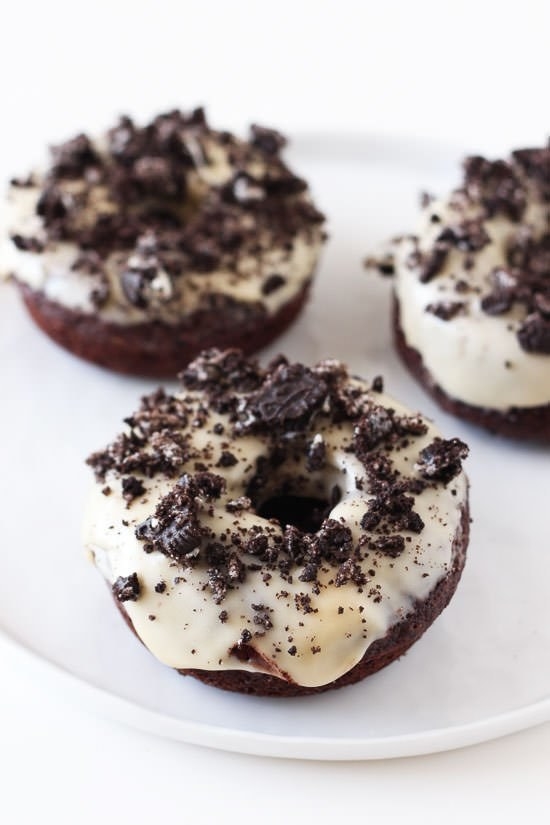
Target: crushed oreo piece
379 425
446 310
334 541
227 459
27 243
469 236
496 186
237 505
392 545
257 545
302 603
534 334
70 159
235 568
282 183
175 529
316 454
373 428
309 572
157 177
350 571
272 283
261 617
52 204
217 372
391 509
385 264
132 488
524 282
287 400
442 459
89 263
433 262
153 443
127 588
535 164
146 279
28 182
267 140
497 303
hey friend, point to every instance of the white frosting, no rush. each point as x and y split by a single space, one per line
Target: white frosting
187 632
51 271
474 357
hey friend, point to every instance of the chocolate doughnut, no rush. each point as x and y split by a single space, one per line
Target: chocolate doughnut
278 531
472 296
139 249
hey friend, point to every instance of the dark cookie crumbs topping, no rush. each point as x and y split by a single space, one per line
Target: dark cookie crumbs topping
287 400
445 310
152 443
316 454
272 284
441 460
127 588
175 529
384 264
468 236
27 244
227 459
267 140
534 334
142 179
525 282
279 403
390 545
496 185
500 188
132 488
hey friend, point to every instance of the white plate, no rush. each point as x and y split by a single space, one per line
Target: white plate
482 670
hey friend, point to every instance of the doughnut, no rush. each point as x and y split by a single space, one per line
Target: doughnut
278 531
472 295
141 248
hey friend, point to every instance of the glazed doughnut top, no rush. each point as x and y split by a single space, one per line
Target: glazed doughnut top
473 285
276 520
152 223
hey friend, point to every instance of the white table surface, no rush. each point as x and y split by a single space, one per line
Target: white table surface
476 73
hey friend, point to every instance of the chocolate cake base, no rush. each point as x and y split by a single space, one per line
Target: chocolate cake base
156 349
525 423
382 652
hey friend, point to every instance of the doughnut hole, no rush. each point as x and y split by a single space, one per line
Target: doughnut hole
301 502
304 512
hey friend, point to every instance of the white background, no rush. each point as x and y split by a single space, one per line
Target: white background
472 72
